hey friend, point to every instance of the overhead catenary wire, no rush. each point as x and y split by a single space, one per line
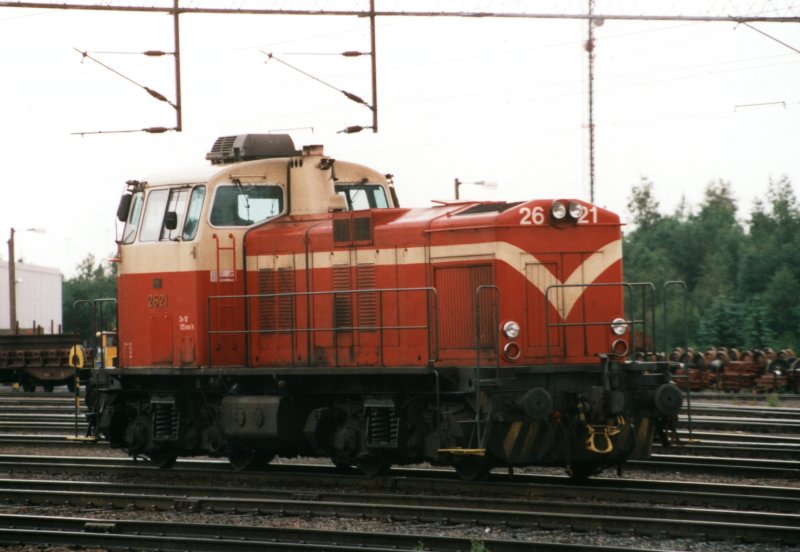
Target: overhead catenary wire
157 95
348 95
348 53
788 17
151 53
746 24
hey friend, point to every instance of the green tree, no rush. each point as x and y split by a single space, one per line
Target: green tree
643 205
714 238
93 281
757 331
723 324
780 300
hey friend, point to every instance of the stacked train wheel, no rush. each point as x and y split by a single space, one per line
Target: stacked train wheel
735 371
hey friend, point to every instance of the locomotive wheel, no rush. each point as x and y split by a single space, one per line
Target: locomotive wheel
161 459
374 466
28 385
48 387
248 460
472 469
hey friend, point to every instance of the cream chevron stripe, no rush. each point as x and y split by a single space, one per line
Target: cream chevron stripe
516 258
586 273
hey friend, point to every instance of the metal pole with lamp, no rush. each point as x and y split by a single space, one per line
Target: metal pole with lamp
484 183
12 286
12 280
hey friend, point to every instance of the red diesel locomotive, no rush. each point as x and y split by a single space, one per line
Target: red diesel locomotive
280 302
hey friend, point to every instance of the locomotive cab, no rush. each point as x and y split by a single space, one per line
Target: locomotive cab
183 241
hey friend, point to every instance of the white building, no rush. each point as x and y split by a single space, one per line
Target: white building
38 297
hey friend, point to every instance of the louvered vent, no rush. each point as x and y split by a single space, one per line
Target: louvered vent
341 231
276 312
221 145
342 302
367 302
362 229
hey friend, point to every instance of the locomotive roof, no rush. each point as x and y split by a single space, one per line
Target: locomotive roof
197 173
186 175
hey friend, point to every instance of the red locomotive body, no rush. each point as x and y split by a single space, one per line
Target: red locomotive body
283 303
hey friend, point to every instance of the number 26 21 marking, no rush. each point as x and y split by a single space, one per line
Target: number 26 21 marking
535 216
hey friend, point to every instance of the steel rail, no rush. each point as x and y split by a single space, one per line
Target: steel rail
525 487
729 451
234 537
741 397
740 467
675 521
47 440
217 499
770 425
762 411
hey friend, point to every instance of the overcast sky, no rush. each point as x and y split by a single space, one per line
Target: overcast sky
474 99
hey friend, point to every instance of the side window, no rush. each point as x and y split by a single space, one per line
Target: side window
193 213
176 204
154 215
363 196
132 224
244 205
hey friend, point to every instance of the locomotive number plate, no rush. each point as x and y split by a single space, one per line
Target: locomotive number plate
157 301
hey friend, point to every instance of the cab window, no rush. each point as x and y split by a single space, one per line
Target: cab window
193 213
134 213
178 199
243 205
154 215
363 196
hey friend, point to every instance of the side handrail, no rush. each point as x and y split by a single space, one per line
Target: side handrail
431 318
630 319
495 327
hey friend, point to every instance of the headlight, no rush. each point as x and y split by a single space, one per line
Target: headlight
558 211
575 210
511 329
619 326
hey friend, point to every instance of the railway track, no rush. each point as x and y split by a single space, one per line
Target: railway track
145 535
660 461
523 511
522 503
520 485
